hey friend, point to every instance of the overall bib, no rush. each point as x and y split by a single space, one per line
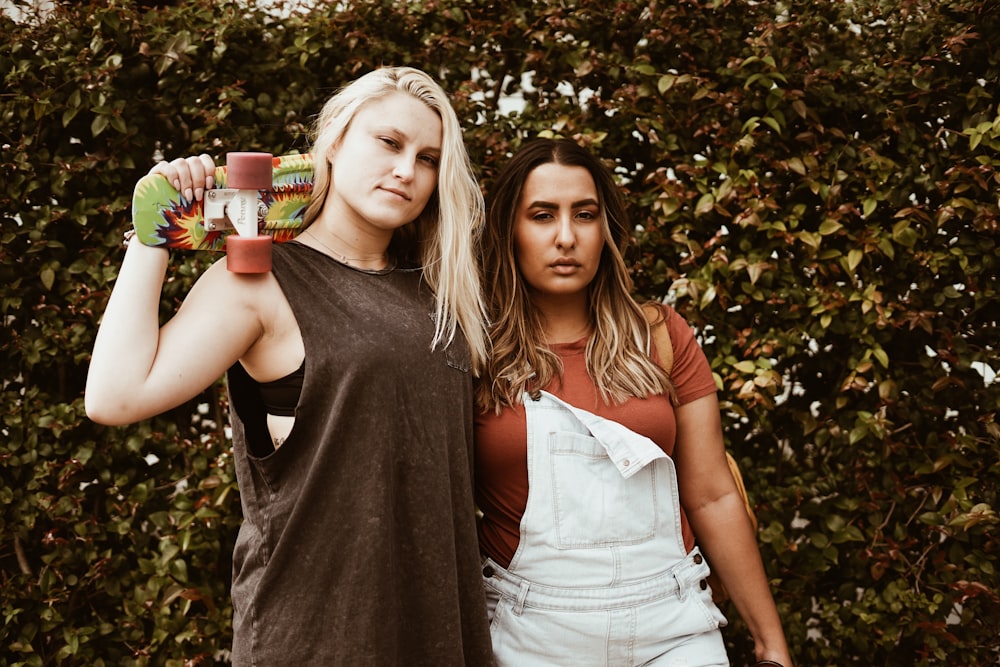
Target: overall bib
600 576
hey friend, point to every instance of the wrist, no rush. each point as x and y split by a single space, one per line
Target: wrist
129 239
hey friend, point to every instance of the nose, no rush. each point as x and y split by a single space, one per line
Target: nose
565 234
404 168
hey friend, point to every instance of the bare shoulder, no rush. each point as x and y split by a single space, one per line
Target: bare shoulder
258 292
231 304
276 348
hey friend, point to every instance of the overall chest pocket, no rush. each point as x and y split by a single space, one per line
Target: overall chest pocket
592 504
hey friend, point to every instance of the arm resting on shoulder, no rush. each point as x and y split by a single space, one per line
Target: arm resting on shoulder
138 369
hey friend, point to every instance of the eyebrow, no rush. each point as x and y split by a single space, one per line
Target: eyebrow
551 205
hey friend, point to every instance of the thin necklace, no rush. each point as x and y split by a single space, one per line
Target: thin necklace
344 259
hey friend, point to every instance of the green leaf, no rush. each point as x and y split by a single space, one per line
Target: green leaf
854 258
705 204
810 239
796 165
828 227
99 124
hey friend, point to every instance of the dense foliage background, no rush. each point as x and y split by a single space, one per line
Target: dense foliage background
815 187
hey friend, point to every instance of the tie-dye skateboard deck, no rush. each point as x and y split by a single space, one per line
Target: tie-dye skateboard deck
224 219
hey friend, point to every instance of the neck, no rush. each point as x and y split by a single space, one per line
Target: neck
357 251
564 320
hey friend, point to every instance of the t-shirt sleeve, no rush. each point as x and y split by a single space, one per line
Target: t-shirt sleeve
690 373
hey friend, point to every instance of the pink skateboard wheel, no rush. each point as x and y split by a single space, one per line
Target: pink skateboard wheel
249 171
248 254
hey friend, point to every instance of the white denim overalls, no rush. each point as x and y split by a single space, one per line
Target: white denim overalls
600 576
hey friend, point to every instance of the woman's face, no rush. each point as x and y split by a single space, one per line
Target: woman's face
385 167
558 231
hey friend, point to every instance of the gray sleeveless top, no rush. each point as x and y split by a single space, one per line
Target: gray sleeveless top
358 542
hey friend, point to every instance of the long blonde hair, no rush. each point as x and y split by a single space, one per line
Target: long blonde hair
443 238
617 353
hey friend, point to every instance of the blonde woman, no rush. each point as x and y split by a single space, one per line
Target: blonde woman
600 477
349 369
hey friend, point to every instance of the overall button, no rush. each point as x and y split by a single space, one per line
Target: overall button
488 571
703 584
697 559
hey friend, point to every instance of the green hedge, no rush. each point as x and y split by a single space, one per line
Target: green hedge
815 188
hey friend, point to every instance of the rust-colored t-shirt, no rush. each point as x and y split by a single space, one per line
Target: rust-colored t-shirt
501 440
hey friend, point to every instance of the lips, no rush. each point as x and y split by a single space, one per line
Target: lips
565 266
398 193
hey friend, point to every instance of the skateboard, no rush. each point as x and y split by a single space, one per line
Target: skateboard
257 199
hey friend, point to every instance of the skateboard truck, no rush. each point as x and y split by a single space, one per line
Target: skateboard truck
238 206
229 208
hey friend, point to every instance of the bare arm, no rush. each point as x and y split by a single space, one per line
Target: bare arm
139 369
719 520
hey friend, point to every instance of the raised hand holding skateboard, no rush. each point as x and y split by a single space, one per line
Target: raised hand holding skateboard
256 199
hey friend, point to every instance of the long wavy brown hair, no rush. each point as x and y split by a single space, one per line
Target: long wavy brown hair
520 361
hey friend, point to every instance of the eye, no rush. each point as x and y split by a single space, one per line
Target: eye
389 141
587 215
431 160
541 216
